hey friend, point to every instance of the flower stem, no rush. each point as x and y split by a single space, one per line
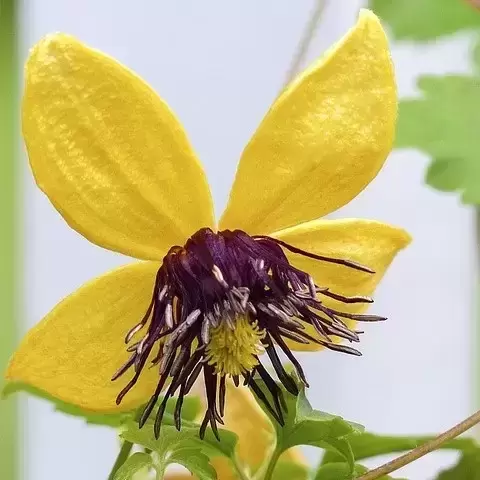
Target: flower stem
239 470
272 463
422 450
122 456
159 471
305 41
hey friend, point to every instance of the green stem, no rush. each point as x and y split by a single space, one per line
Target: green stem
160 472
123 454
239 470
10 263
272 463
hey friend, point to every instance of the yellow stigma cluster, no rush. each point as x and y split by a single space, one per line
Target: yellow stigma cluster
233 351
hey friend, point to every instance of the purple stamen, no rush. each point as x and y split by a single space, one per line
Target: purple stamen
221 281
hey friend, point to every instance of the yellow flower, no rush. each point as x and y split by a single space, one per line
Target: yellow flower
116 163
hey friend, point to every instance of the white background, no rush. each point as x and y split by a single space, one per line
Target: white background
220 65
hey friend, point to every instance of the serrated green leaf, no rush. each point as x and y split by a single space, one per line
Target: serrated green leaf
368 445
447 175
105 419
183 447
288 470
132 465
426 19
467 468
444 124
226 446
342 471
195 461
338 471
305 426
190 408
209 443
341 447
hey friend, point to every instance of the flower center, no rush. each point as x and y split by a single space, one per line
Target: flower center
234 346
218 303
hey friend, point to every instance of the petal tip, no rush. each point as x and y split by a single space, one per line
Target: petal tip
372 26
367 18
403 238
369 22
399 237
406 238
10 374
50 41
367 15
46 50
55 39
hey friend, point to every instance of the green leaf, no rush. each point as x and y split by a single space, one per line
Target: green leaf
183 447
342 471
195 461
476 55
467 468
106 419
226 446
288 470
444 124
190 409
368 445
132 465
426 19
305 426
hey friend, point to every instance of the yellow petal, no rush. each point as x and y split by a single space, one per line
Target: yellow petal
75 350
323 140
109 153
370 243
255 431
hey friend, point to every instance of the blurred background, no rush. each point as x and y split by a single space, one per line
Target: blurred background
220 65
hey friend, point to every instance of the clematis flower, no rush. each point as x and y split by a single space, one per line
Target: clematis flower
208 299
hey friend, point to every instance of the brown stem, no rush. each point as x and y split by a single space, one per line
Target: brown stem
422 450
305 41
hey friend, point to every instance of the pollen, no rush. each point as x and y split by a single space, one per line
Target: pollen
234 351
